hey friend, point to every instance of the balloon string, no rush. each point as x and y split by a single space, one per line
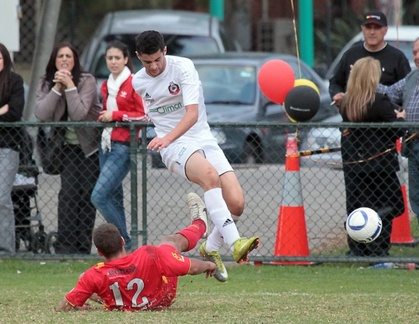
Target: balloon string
296 39
297 53
397 21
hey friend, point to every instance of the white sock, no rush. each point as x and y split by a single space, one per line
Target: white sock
214 241
221 217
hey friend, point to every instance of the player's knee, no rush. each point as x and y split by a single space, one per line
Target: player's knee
209 180
237 210
236 206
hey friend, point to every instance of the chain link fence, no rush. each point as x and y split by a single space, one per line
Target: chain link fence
155 201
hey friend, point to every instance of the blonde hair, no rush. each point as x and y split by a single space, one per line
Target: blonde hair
362 86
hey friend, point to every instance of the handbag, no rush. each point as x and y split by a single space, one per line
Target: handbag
50 144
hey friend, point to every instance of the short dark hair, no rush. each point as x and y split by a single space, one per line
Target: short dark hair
124 49
149 42
107 240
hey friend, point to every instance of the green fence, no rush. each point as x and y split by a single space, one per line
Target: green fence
155 199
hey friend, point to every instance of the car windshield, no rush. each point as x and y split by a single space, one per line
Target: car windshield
228 84
176 45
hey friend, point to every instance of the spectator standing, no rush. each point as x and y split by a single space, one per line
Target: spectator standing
12 101
145 279
394 64
67 90
405 93
370 161
120 103
173 95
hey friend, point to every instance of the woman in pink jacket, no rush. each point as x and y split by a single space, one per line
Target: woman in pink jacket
120 103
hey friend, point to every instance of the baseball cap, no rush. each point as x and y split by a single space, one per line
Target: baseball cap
375 17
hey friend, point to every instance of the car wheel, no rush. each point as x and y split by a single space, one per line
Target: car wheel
38 242
156 162
252 153
50 242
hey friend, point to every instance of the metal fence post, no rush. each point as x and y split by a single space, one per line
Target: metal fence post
134 185
144 232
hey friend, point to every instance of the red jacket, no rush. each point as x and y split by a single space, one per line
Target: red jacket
130 108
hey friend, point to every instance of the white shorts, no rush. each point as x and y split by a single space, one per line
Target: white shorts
178 153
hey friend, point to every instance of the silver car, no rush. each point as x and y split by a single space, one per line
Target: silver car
185 33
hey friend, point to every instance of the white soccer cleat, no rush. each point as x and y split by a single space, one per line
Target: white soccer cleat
197 210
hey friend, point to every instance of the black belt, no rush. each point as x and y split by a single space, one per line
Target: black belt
121 142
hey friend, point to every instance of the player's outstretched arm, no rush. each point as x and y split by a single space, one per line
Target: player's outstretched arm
66 306
199 266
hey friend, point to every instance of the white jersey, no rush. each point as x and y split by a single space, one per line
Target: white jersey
166 96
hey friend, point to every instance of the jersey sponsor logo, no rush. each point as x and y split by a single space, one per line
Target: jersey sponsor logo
174 89
163 110
122 271
177 256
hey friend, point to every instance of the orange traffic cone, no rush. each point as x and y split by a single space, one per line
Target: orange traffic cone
400 233
291 237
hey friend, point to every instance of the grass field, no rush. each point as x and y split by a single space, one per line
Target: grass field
31 291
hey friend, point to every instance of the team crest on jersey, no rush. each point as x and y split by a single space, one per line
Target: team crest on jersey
100 265
173 88
177 256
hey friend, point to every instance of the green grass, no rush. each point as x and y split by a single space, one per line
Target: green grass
31 292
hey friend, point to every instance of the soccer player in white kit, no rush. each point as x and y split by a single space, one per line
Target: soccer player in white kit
174 101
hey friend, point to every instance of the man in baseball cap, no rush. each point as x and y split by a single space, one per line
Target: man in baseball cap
394 64
375 17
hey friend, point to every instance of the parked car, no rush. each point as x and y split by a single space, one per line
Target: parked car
320 138
328 137
185 33
401 37
232 94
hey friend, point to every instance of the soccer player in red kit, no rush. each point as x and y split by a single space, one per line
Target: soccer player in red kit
145 279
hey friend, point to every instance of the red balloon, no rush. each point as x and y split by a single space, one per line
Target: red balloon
276 78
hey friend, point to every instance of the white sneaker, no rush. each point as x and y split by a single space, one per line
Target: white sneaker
21 180
197 210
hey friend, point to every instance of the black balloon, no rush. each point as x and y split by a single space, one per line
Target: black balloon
302 103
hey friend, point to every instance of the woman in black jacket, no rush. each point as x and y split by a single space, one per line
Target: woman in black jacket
11 110
370 160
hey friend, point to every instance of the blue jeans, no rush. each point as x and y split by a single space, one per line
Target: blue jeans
108 195
413 169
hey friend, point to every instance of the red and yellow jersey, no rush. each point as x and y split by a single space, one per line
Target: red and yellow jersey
145 279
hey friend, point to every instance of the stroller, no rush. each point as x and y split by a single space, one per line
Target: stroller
28 222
